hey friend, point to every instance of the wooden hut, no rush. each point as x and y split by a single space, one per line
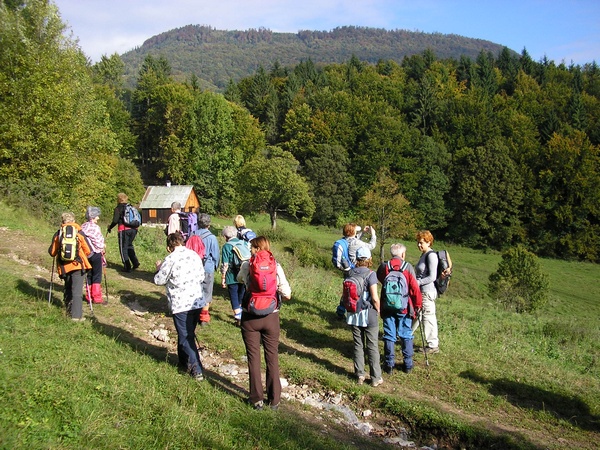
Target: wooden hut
155 206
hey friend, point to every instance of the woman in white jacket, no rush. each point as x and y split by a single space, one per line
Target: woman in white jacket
182 273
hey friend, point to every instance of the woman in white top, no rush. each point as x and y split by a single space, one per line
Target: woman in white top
182 273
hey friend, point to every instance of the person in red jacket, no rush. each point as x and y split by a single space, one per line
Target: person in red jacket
398 323
73 272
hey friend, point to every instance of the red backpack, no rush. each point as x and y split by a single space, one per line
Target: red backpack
197 244
262 297
353 295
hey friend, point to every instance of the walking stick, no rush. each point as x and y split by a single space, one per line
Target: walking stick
105 280
51 281
423 339
89 295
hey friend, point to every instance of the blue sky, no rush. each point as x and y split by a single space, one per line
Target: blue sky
563 30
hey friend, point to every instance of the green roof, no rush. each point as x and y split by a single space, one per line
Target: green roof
161 197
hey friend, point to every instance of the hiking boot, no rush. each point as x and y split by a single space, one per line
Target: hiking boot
361 380
258 405
80 319
274 407
432 350
388 369
377 382
198 377
406 370
135 266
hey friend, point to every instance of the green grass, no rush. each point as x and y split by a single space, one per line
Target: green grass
536 378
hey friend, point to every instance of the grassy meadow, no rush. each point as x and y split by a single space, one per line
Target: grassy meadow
501 380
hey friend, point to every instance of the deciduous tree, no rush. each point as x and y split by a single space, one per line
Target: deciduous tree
270 182
384 206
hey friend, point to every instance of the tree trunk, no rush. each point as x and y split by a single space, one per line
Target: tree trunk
273 216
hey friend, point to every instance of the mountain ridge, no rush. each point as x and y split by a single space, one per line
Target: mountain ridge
218 56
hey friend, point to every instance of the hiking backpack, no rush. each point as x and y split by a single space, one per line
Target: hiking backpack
395 286
184 224
344 263
131 216
202 233
444 262
196 243
262 286
241 253
69 245
246 234
354 296
192 223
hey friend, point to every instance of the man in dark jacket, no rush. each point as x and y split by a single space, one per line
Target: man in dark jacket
126 235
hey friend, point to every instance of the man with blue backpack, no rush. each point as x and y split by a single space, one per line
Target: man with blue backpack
343 252
127 220
400 301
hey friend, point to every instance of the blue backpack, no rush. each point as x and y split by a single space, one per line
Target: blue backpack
395 288
131 217
246 234
344 263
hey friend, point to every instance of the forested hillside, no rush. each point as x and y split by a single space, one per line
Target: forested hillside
218 56
491 151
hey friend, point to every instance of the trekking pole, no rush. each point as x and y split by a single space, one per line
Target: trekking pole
51 281
423 339
105 280
89 296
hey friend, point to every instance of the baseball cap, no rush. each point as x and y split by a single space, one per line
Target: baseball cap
363 253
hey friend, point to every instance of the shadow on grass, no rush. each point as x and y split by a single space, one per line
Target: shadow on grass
563 407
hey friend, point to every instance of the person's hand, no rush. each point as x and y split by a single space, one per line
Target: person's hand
108 231
158 264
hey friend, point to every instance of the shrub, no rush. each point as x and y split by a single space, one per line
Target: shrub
308 254
41 196
519 282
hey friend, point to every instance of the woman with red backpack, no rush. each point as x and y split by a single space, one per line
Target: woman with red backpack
266 286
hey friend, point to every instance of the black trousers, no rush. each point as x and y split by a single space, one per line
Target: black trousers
126 238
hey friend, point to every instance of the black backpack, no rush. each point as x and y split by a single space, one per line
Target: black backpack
444 262
184 224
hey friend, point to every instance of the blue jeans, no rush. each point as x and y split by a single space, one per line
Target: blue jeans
187 351
236 294
397 325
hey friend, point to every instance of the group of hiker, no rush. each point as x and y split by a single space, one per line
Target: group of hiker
406 299
257 285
